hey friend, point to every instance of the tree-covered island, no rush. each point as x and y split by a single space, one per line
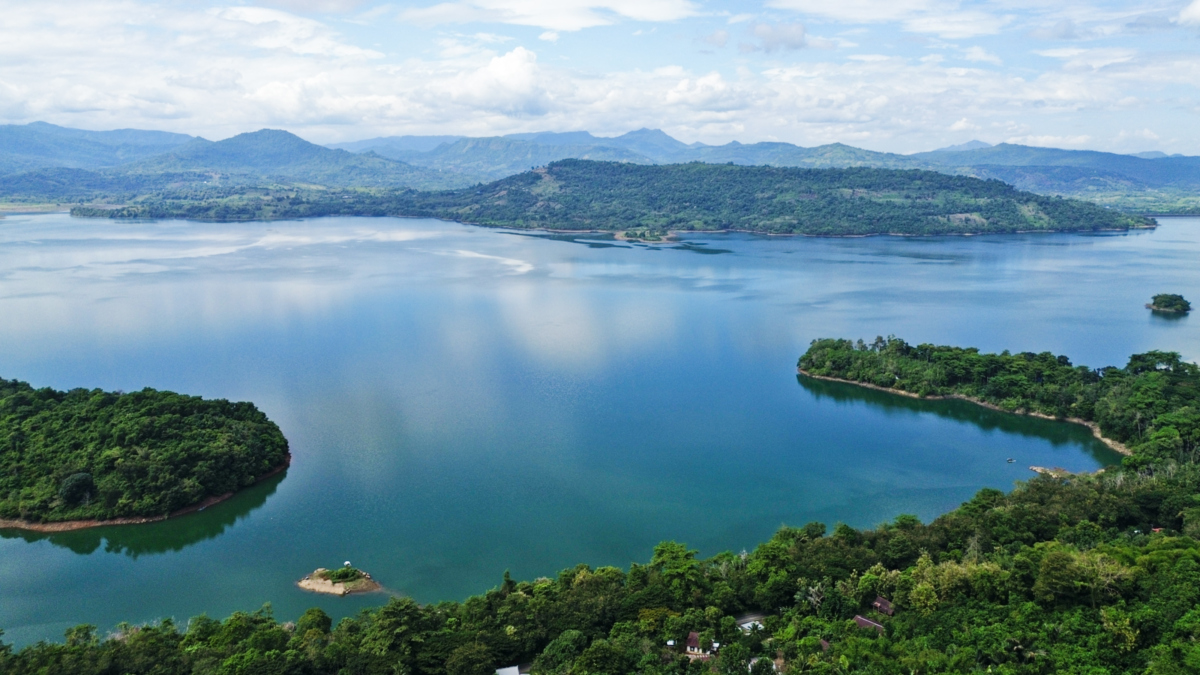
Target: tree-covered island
91 455
583 195
1084 574
1169 302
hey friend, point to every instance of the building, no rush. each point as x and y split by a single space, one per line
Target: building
693 650
884 605
864 622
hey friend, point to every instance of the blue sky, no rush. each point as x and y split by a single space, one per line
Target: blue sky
896 75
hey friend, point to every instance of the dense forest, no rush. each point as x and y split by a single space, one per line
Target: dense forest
1090 575
1087 574
1152 404
89 454
610 196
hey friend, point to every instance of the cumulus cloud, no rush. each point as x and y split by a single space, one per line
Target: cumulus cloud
116 63
557 15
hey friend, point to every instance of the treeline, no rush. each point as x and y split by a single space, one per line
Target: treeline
90 454
610 196
1152 404
1092 575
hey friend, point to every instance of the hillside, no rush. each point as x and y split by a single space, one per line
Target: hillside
41 145
1148 182
494 158
610 196
279 154
94 455
580 195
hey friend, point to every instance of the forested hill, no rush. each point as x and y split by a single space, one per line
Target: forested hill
609 196
581 195
95 455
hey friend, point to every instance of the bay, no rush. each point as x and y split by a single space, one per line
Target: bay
463 401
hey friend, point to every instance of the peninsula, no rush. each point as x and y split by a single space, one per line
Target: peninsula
1149 410
84 458
640 201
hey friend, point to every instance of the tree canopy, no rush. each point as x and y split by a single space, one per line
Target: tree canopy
1086 574
584 195
1170 302
1152 404
90 454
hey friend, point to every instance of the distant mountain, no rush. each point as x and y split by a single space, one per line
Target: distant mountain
39 145
279 154
1177 172
499 157
396 144
832 156
969 145
578 138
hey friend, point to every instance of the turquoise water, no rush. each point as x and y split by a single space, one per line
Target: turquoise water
463 401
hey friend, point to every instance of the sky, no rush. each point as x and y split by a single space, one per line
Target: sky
891 75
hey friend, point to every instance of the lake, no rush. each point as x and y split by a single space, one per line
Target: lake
462 401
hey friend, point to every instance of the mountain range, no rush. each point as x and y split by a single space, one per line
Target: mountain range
41 160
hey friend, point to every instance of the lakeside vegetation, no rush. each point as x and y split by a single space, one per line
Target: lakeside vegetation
1152 405
1089 575
95 455
1170 302
583 195
1083 574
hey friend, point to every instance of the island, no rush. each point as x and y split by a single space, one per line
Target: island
341 581
1149 410
1169 303
86 457
576 195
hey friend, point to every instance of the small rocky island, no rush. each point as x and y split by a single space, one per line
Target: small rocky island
342 581
1169 302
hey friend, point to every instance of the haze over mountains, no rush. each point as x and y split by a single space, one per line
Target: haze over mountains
44 160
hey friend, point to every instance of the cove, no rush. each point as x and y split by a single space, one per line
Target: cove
461 401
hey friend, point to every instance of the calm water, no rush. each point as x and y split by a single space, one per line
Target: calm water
462 401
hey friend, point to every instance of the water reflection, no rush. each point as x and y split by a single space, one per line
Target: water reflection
175 534
1057 433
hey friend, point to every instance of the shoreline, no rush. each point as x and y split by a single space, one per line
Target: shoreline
1154 308
670 233
1115 446
72 525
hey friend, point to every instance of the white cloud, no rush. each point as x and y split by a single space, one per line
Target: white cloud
775 37
1190 16
549 36
274 29
332 6
980 54
555 15
123 63
1052 141
718 38
945 18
